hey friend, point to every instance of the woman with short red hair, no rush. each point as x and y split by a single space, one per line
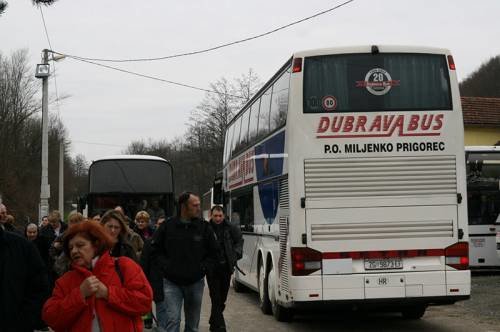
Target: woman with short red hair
99 293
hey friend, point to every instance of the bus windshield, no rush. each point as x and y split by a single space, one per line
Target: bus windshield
376 82
133 183
132 176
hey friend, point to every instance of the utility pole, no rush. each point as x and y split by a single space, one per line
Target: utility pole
44 73
61 178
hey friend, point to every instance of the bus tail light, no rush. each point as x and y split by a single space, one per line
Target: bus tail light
305 261
457 255
451 62
297 65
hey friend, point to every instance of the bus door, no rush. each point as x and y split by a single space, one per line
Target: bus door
242 214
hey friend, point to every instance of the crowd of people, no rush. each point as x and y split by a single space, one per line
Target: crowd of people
104 273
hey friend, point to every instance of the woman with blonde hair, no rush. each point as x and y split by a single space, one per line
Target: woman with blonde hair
142 225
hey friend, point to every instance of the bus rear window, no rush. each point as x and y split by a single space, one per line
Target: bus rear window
376 82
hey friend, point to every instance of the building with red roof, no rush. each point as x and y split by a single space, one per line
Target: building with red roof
481 120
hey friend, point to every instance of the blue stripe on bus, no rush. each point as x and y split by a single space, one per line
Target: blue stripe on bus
269 200
269 163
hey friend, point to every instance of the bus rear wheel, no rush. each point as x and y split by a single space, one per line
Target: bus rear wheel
264 303
414 312
281 313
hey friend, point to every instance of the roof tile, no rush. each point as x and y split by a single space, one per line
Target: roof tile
481 111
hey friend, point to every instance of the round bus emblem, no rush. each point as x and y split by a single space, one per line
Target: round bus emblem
329 103
378 81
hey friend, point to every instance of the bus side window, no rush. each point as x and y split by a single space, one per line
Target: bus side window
279 103
265 106
227 145
236 136
242 210
254 122
244 131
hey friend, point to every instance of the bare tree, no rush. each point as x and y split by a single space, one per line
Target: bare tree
17 105
483 82
3 7
4 4
137 147
247 86
20 141
197 156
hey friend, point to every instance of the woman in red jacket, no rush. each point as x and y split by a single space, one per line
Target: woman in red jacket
99 293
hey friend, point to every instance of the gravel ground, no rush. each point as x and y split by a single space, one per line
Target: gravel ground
480 313
484 304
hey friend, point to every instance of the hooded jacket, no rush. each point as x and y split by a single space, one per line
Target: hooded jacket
67 310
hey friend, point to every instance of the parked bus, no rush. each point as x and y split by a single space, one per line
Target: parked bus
483 199
346 173
134 182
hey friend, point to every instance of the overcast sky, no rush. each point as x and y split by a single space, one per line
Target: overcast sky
113 108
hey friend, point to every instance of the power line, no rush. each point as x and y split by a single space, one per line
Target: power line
215 47
120 70
152 77
94 143
53 62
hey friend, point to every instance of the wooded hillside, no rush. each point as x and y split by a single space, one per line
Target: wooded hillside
484 82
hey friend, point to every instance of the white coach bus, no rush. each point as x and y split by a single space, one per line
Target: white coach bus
483 199
346 173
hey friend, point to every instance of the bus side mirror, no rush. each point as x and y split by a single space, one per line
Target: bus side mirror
218 192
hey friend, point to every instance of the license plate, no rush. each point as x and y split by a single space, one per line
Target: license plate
383 264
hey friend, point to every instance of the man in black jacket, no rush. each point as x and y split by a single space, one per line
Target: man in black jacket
53 233
218 279
185 248
23 284
4 217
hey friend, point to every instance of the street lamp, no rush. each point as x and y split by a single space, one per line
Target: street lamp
43 72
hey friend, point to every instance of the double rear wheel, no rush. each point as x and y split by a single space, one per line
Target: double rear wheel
267 295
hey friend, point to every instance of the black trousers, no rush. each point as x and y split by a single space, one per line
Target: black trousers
218 285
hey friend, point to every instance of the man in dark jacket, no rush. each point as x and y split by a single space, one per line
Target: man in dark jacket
23 283
185 248
55 228
52 233
155 277
4 220
218 278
